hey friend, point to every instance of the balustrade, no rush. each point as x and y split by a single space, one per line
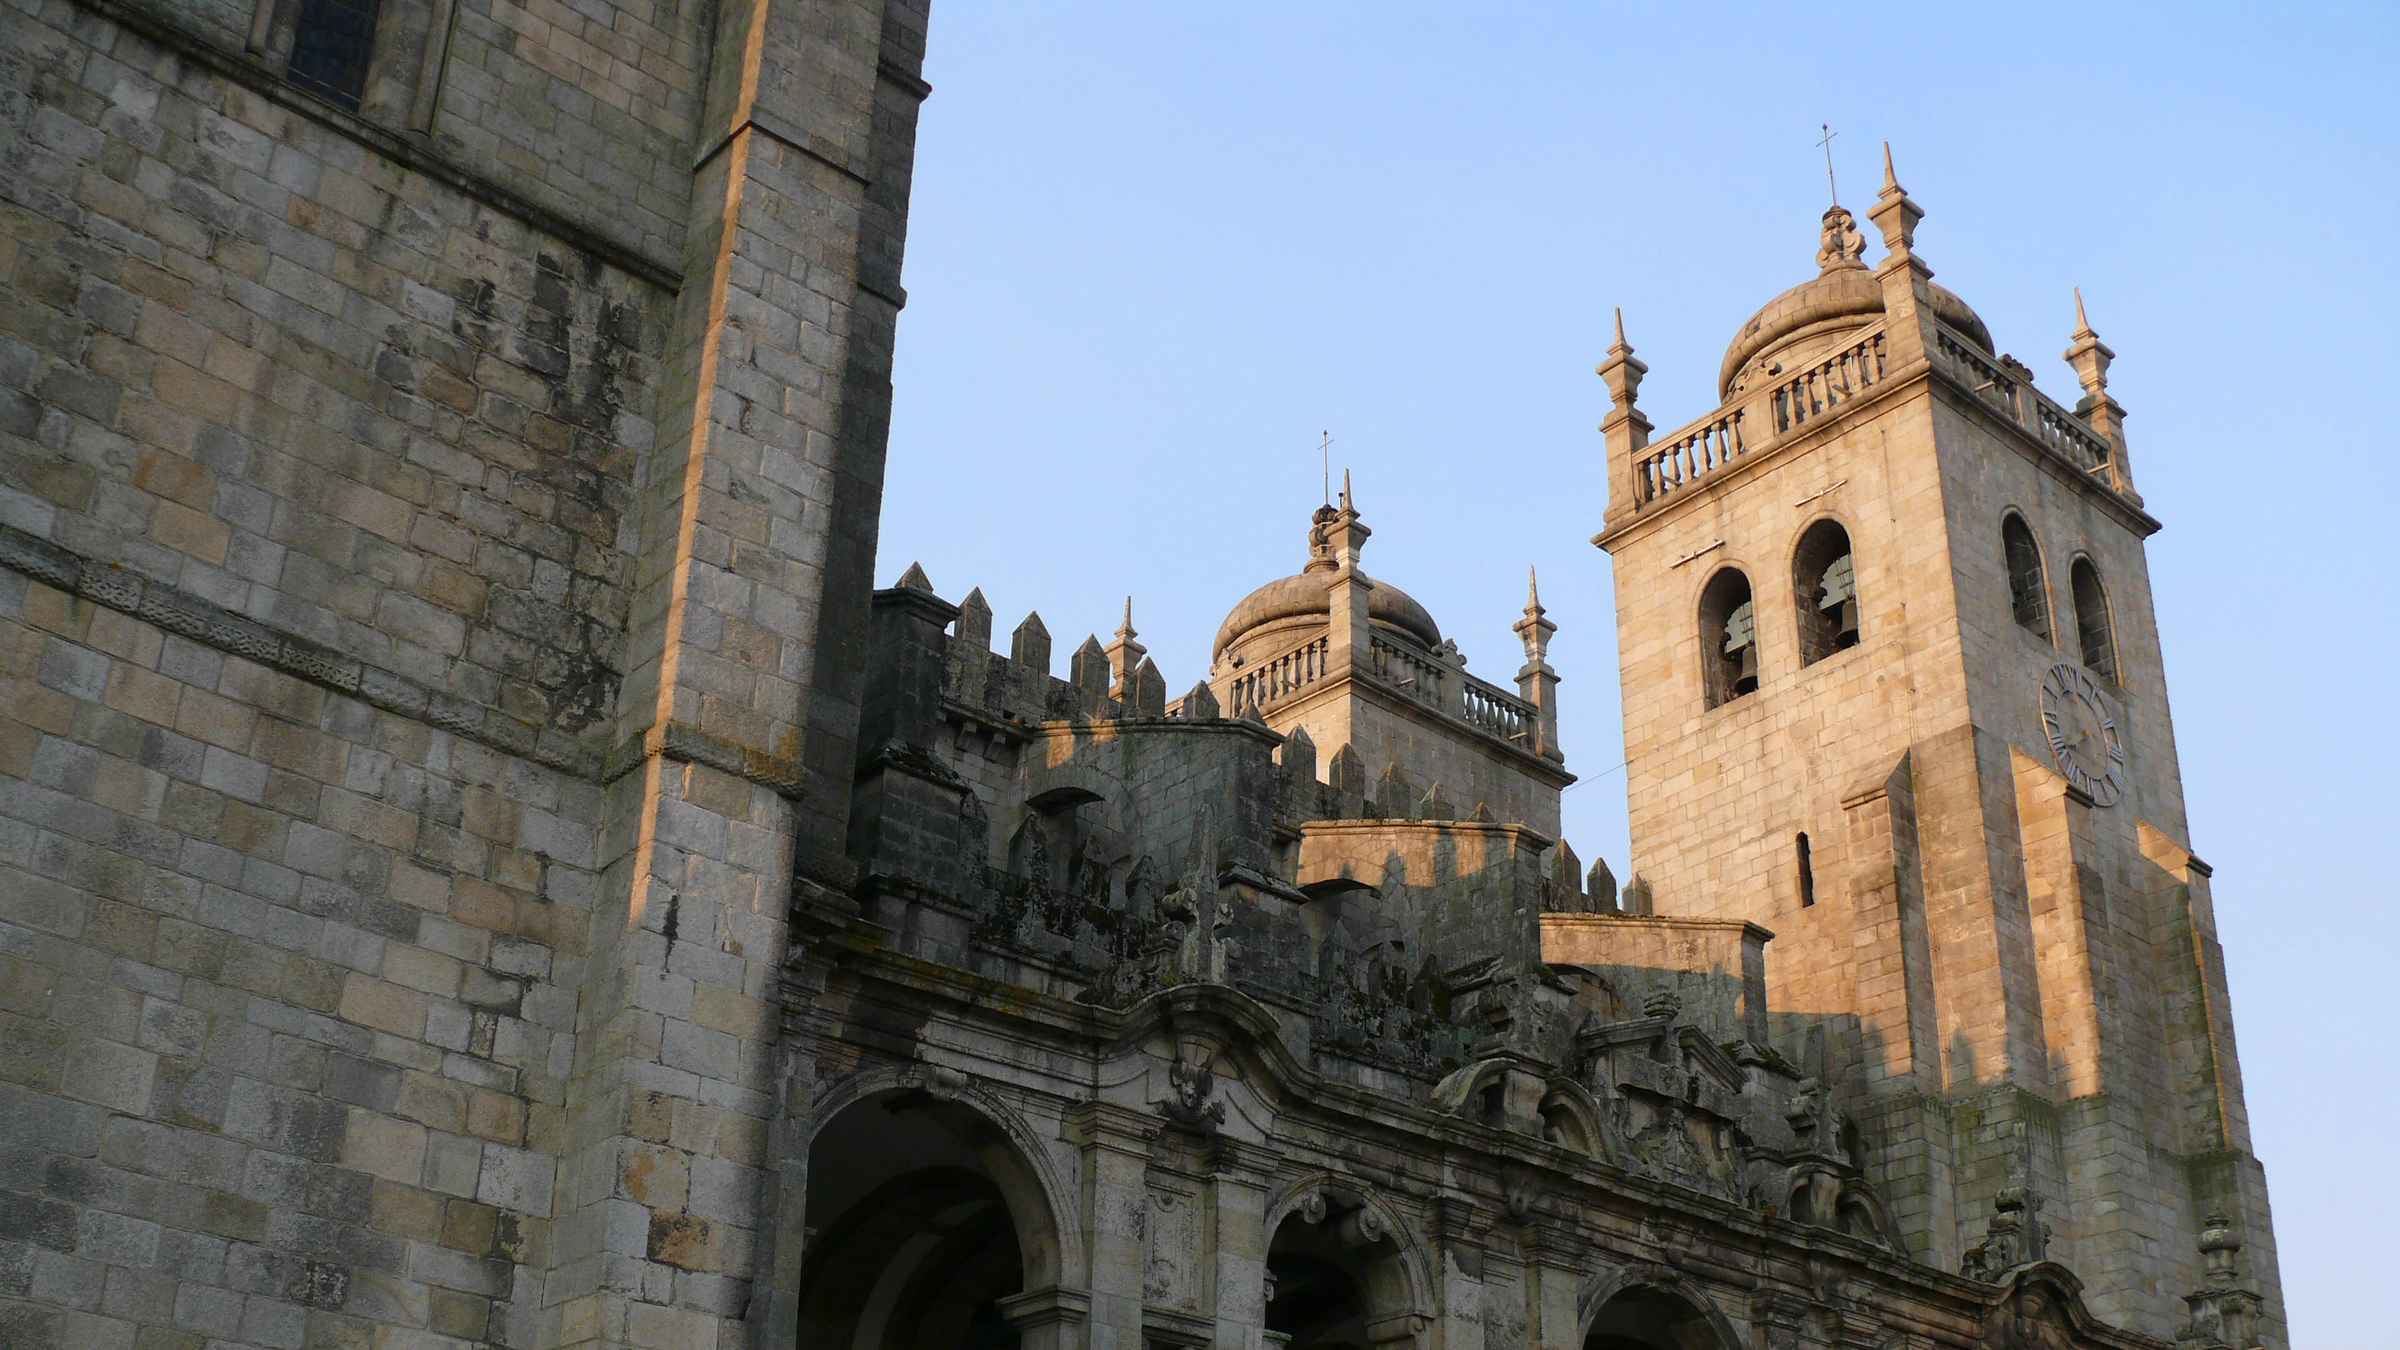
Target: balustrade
1691 454
1827 385
1274 680
2062 431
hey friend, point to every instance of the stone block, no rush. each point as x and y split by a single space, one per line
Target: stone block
376 1143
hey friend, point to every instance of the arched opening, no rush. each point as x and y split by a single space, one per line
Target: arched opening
2094 634
1825 582
1334 1276
922 1221
2028 597
1807 868
1728 638
1646 1317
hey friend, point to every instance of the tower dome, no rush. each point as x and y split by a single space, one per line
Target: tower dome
1813 316
1278 614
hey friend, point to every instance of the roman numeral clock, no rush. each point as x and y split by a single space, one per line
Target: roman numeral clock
2083 736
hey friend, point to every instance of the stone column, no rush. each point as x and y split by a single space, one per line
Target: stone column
1116 1159
1243 1173
736 728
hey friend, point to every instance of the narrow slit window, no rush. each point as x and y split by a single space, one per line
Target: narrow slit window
2094 634
1808 875
2026 596
330 49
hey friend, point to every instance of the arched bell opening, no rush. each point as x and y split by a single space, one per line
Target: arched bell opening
923 1223
1646 1317
1825 583
1729 667
1335 1279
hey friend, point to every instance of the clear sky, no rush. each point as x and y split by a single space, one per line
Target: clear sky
1155 250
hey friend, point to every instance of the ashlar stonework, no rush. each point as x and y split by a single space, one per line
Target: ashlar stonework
482 865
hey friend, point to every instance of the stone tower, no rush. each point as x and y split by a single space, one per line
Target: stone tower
1893 689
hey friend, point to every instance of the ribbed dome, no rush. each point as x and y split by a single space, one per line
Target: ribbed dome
1305 598
1843 297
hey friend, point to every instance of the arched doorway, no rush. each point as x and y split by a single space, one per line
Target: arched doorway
1336 1277
922 1221
1647 1317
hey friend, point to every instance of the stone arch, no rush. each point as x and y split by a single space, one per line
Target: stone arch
1576 1102
2095 625
1041 1198
1727 625
1650 1307
1825 590
1397 1286
2028 580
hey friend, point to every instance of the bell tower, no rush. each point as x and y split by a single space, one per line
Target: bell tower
1893 689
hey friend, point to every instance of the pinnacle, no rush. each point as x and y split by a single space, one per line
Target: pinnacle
914 579
2083 326
1891 183
1533 590
1621 328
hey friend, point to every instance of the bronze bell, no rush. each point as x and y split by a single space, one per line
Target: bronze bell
1837 598
1741 652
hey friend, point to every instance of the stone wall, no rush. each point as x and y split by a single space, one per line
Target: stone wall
392 882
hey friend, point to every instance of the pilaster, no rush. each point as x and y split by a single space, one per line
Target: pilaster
737 726
1243 1173
1554 1261
1115 1143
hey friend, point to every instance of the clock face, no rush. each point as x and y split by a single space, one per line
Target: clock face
2083 737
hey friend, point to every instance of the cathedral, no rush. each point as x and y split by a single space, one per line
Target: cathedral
483 865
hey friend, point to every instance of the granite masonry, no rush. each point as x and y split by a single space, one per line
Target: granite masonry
482 865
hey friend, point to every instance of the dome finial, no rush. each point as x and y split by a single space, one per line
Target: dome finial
1825 142
1839 244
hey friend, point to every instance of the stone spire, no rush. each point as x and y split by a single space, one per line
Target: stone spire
1906 280
1124 655
2089 357
1347 628
1346 533
1625 431
1537 683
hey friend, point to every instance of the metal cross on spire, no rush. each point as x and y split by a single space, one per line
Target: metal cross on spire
1325 462
1826 141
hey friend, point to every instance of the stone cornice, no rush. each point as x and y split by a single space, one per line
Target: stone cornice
1925 375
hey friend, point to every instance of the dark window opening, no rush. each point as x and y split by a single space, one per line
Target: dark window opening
2025 594
330 48
1808 876
1826 581
1728 638
2093 632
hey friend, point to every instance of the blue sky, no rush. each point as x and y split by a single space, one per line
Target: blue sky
1155 250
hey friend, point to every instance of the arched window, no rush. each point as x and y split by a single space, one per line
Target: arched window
1728 638
1826 585
2093 632
2026 595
